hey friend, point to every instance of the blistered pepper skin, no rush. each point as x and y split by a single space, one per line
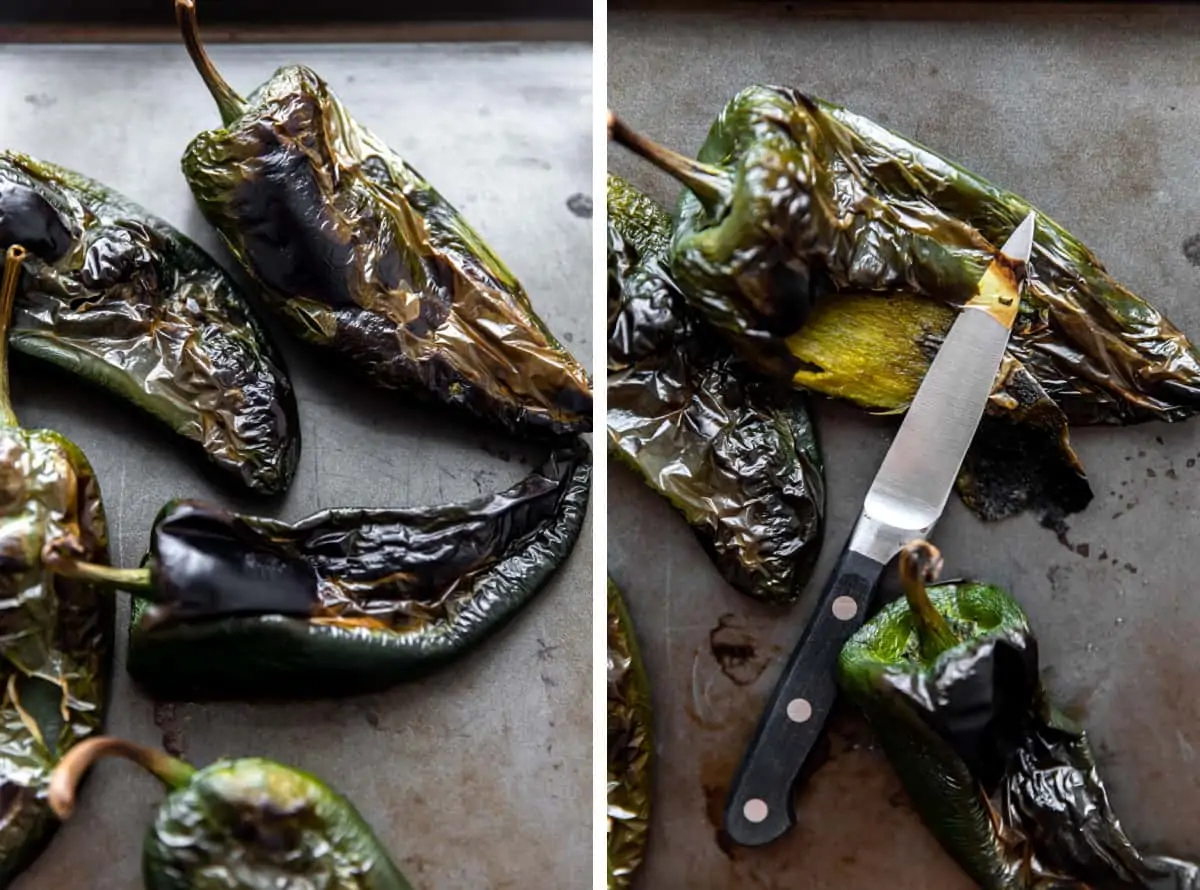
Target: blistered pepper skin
349 600
117 297
360 256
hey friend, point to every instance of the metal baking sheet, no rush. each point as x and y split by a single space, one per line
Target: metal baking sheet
1093 117
493 755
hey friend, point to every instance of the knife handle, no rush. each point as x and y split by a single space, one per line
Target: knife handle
759 808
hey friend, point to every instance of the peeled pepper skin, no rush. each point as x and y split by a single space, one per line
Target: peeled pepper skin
737 456
119 298
1008 785
253 824
358 254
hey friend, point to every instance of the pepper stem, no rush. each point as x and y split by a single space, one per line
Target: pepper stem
8 293
130 580
920 564
709 184
69 772
230 104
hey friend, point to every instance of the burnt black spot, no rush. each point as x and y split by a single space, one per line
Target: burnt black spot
1150 474
116 255
1191 250
1171 474
580 205
28 219
1083 549
736 651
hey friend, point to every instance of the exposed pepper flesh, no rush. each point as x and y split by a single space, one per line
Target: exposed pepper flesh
245 824
118 297
56 630
630 747
948 678
361 256
736 455
347 600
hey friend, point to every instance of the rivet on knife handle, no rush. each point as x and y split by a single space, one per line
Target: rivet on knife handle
759 808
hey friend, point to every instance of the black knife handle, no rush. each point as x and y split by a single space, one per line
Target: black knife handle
759 809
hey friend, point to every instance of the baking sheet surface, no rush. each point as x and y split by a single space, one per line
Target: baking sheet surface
1094 119
493 755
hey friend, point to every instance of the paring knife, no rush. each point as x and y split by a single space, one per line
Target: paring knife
904 502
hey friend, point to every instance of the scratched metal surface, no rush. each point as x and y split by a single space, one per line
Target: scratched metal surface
491 756
1094 120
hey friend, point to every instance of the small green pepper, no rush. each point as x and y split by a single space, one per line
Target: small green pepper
246 824
348 600
361 256
630 747
118 297
56 630
948 678
735 455
797 211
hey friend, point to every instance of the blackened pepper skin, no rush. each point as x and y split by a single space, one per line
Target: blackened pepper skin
56 628
735 454
121 299
361 256
244 824
346 601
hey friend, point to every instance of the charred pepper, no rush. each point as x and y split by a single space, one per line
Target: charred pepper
361 256
245 824
948 678
348 600
794 200
56 628
118 297
630 747
735 454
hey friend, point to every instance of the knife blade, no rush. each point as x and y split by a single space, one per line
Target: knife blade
904 502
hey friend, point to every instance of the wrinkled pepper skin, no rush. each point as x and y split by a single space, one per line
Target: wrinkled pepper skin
56 633
797 209
737 456
630 747
1007 784
121 299
360 256
245 824
349 600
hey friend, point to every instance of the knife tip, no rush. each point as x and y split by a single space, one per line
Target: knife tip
1019 245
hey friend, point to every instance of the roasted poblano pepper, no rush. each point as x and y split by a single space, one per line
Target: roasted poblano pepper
630 747
56 629
737 455
793 200
118 297
246 824
948 677
348 600
361 256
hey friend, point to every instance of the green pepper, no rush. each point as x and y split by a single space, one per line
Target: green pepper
56 630
360 256
245 824
630 747
948 678
121 299
348 600
736 455
794 201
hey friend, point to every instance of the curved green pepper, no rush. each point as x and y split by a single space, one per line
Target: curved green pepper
948 678
349 600
56 631
246 824
361 256
736 456
630 747
794 200
118 297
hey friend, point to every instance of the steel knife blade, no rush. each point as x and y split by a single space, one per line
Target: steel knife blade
904 502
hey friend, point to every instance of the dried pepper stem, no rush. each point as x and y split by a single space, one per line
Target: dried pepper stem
228 101
920 564
65 779
710 185
8 292
131 580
